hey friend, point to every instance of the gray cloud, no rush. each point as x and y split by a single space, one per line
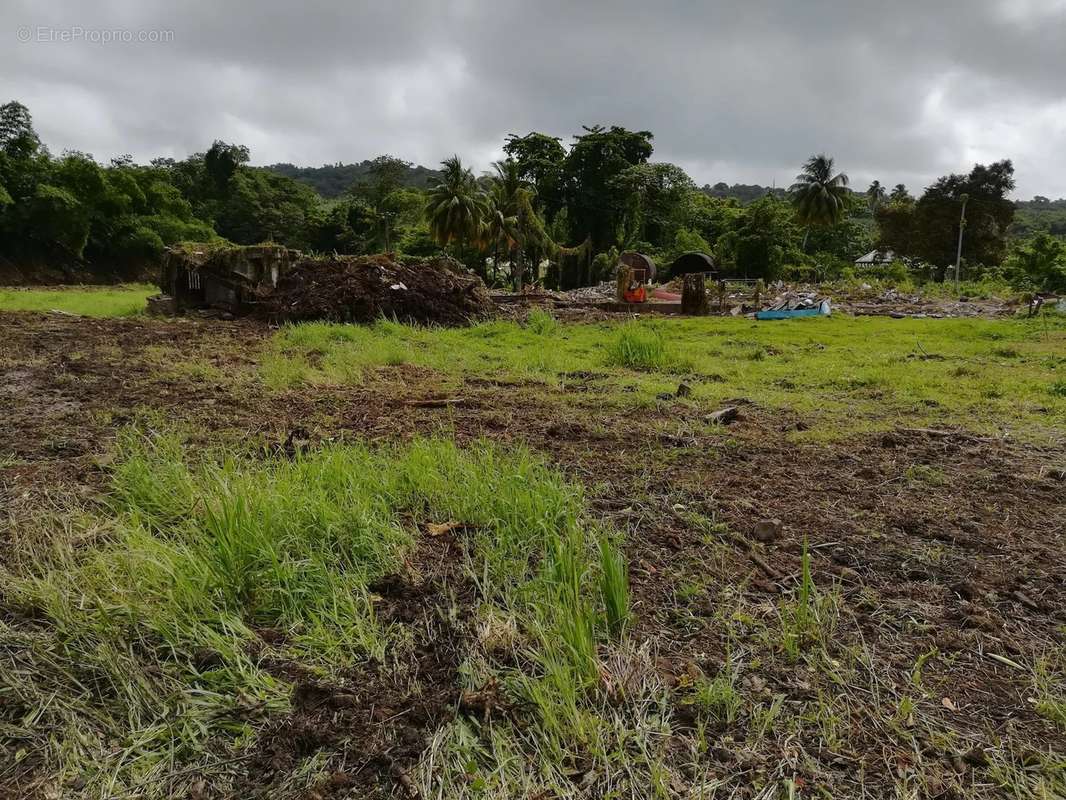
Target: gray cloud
736 91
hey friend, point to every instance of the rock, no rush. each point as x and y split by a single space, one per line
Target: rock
767 530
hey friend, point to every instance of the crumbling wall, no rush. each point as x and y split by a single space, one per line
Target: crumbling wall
222 275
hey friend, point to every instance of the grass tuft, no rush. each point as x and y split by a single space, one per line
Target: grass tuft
542 323
640 347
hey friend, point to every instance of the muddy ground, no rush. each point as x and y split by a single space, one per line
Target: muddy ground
967 567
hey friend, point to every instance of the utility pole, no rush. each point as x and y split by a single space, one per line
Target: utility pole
958 254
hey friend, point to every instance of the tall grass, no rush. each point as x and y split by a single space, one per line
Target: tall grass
148 611
638 346
541 322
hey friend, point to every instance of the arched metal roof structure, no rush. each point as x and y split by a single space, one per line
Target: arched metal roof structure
692 262
639 261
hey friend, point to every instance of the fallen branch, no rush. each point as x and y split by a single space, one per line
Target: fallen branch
441 402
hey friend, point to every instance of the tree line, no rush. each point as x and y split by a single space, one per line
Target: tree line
574 207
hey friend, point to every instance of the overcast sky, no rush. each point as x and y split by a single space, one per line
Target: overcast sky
738 91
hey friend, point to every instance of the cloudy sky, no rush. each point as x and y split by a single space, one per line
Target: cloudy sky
736 90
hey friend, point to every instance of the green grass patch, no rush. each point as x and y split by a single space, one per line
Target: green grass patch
843 375
125 300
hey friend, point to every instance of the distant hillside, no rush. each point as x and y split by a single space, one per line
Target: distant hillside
745 193
333 180
1039 215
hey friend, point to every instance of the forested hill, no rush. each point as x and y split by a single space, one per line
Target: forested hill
1039 215
333 180
744 192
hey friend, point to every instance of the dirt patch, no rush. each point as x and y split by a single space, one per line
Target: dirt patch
938 549
373 722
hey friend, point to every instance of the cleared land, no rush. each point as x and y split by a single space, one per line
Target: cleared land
335 561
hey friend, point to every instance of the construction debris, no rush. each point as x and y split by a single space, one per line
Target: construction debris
282 284
796 301
724 416
366 288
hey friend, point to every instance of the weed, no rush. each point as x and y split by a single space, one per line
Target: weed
810 615
847 384
718 700
919 665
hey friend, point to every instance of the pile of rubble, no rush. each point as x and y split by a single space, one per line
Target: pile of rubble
601 293
796 301
280 284
893 303
362 289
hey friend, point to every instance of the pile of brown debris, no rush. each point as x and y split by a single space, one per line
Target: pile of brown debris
280 284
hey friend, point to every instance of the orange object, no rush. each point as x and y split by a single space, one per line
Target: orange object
635 295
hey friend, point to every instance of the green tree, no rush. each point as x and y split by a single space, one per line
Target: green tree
223 160
17 136
1038 264
819 196
895 226
762 242
539 159
989 215
381 188
595 159
876 196
456 206
900 194
654 196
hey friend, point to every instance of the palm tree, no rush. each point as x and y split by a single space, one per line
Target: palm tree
457 206
899 194
500 227
876 195
524 229
819 196
506 183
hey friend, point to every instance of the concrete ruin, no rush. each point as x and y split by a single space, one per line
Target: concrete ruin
222 277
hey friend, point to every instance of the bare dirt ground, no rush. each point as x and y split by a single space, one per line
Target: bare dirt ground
960 578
